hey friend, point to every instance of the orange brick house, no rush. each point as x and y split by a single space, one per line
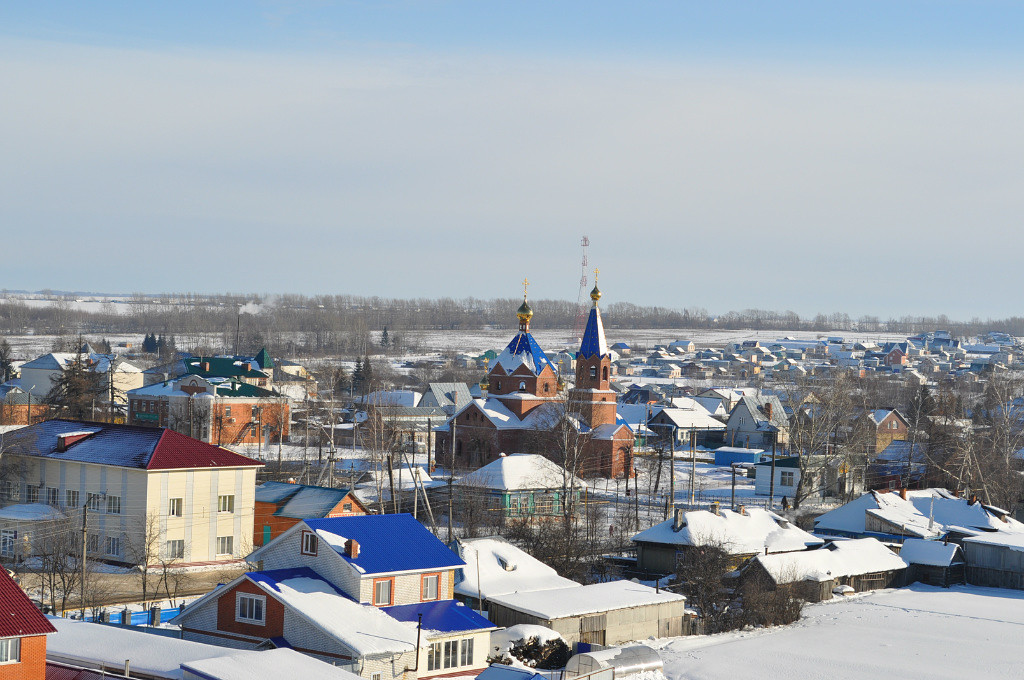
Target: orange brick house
280 506
217 411
23 631
15 404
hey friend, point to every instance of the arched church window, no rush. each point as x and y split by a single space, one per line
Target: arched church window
497 386
593 372
522 385
604 373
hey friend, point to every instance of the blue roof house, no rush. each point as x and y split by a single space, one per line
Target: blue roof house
371 593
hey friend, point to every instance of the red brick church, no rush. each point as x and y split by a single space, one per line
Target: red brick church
526 409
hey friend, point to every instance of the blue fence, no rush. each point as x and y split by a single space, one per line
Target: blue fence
139 618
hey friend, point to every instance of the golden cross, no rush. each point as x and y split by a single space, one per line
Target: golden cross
596 272
526 284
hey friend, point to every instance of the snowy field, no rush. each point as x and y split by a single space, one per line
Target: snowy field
916 632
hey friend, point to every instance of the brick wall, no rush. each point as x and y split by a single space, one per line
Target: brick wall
33 661
274 625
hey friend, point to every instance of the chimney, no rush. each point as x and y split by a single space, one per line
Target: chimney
716 508
768 410
678 521
742 510
352 548
973 499
205 365
956 493
903 492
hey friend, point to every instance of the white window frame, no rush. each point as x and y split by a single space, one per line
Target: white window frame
179 549
231 544
390 592
71 498
175 507
434 656
466 652
310 544
52 496
113 505
93 500
251 597
8 541
226 503
787 478
425 596
112 546
10 650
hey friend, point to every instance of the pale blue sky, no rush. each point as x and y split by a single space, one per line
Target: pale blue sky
815 156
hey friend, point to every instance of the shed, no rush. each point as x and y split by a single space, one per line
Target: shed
727 455
995 559
934 563
622 661
602 613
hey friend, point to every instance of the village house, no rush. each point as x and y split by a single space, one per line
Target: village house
371 593
151 494
240 369
741 534
280 506
37 377
758 422
861 564
218 411
23 631
882 427
522 486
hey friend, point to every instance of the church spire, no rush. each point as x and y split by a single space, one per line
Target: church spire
593 343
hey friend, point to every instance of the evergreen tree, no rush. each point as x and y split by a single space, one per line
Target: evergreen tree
367 373
357 374
76 390
149 343
6 359
385 341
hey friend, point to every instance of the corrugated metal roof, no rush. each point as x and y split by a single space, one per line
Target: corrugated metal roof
18 616
447 616
389 543
312 502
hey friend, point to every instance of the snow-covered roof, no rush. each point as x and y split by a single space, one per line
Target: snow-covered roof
502 569
580 600
521 471
362 628
839 559
1014 541
274 663
930 553
30 512
689 419
926 513
738 534
90 645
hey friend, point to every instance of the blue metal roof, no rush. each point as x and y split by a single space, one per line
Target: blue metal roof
523 343
593 343
389 543
447 616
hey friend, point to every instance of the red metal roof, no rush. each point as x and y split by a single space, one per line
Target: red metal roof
18 616
175 451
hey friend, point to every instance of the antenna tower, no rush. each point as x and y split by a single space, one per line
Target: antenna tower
581 308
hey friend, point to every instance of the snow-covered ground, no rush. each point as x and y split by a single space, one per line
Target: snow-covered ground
916 632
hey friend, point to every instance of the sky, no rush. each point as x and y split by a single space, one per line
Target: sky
810 156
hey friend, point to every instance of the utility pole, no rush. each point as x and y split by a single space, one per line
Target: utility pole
672 470
430 445
451 471
771 483
85 541
733 506
693 465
